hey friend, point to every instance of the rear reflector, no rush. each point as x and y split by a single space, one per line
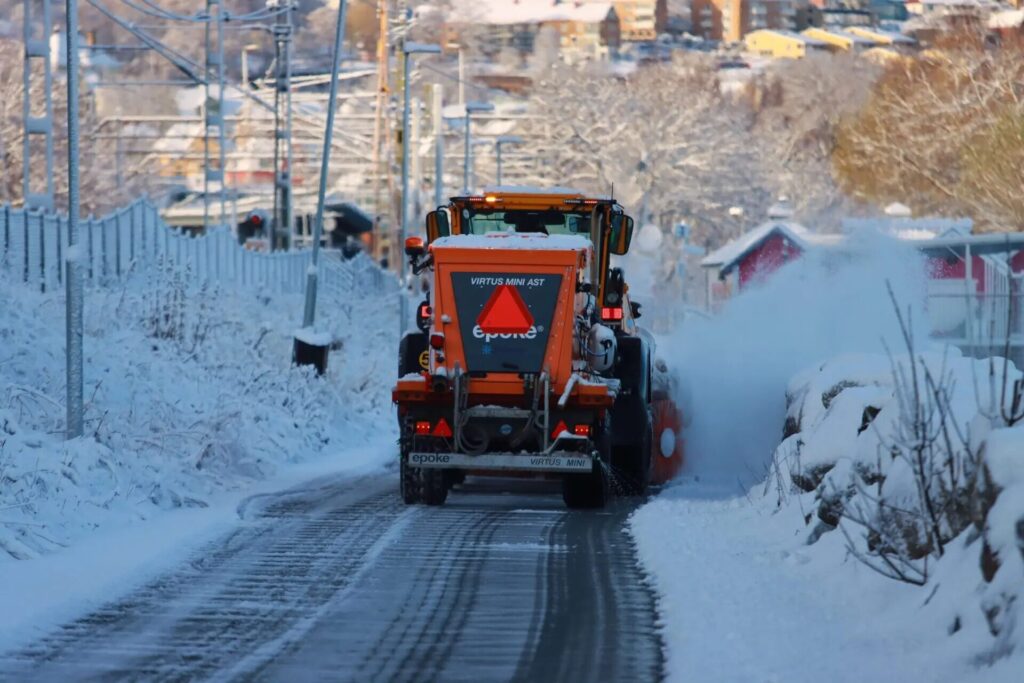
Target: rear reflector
559 428
581 430
423 427
610 313
442 429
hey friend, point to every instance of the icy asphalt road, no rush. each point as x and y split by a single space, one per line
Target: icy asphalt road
340 581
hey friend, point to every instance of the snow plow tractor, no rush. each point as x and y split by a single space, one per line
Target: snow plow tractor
528 359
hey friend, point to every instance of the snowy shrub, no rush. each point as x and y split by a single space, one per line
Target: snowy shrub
918 460
189 391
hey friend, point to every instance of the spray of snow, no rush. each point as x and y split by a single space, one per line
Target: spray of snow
736 366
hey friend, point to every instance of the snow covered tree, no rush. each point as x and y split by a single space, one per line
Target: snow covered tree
663 138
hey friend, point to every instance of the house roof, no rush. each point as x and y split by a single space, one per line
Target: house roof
881 35
1013 18
788 35
930 234
731 253
836 34
508 12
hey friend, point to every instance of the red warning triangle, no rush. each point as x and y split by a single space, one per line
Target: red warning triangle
505 313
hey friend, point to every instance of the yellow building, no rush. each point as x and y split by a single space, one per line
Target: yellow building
782 44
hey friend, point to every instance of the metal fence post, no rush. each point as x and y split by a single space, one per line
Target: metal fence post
131 232
117 242
60 251
24 225
42 252
7 232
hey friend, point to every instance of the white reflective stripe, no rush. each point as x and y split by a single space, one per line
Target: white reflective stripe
560 461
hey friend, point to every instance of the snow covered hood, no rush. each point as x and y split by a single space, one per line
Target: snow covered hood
514 240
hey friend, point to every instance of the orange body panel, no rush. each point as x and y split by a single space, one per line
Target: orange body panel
558 355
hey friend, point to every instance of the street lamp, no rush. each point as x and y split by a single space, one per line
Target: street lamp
504 140
471 108
408 49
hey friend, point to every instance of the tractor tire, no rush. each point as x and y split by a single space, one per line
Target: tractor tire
632 430
410 349
433 486
633 463
408 485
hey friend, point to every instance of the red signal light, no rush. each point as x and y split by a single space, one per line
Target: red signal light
423 427
559 428
442 429
611 313
256 220
581 430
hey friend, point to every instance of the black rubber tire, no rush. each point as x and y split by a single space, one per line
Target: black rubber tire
632 464
408 485
433 486
409 349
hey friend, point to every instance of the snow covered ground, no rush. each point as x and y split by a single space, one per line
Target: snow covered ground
192 404
754 550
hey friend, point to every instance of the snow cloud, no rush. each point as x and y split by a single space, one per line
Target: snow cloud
735 367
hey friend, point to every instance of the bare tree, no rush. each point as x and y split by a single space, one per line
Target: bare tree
664 138
941 132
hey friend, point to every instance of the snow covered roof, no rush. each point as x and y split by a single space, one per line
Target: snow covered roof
509 12
514 240
903 227
806 40
733 252
826 33
178 138
880 35
1013 18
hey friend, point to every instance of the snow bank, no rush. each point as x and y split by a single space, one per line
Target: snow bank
737 365
189 393
768 585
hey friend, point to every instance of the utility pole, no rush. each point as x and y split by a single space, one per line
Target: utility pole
378 127
467 161
37 47
283 224
503 140
73 282
214 65
408 50
309 315
438 145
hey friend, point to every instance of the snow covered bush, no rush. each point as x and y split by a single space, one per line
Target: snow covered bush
189 392
918 460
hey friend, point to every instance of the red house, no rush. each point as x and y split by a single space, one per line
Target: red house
976 288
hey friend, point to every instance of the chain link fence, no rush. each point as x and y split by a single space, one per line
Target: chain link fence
133 238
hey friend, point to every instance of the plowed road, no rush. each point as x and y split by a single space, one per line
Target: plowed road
340 581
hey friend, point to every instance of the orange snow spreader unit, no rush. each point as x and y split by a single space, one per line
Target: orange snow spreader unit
528 357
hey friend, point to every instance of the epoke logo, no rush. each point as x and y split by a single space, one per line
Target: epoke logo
480 334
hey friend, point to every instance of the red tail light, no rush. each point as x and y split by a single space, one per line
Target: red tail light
610 313
437 340
425 311
559 428
442 429
581 430
423 427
